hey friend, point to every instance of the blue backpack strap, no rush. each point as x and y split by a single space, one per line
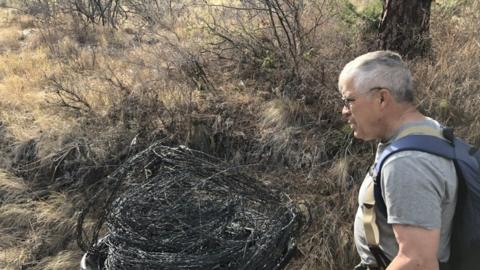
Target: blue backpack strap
425 143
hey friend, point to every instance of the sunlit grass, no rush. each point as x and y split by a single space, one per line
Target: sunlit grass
63 260
12 258
11 184
116 73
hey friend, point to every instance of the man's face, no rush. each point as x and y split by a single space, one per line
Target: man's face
361 111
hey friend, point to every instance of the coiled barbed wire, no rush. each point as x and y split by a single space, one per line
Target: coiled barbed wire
194 212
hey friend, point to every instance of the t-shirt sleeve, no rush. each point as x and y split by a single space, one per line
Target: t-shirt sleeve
412 189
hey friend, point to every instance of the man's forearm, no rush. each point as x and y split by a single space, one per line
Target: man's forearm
406 263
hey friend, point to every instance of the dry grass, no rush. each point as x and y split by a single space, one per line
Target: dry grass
9 38
11 186
22 92
32 228
449 84
37 232
12 258
144 85
63 260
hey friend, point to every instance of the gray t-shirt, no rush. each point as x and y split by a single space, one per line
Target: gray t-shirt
419 189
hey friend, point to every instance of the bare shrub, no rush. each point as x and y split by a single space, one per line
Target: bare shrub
269 41
69 96
105 12
158 13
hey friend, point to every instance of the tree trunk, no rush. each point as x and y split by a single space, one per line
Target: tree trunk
405 27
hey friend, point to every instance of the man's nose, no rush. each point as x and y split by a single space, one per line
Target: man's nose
346 111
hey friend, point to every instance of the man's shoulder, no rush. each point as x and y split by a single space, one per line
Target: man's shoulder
417 158
414 164
414 155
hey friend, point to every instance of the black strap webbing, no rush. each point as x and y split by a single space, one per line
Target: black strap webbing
380 257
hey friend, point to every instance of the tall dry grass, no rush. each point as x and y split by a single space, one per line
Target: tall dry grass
33 230
449 82
77 99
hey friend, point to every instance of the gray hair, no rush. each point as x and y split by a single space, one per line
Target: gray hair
383 69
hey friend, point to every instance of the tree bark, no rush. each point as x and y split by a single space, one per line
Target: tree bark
405 27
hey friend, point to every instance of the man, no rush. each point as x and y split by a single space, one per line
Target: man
419 189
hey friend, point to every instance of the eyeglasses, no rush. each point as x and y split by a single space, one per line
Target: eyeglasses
347 101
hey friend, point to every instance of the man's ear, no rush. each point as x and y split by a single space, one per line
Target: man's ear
385 96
